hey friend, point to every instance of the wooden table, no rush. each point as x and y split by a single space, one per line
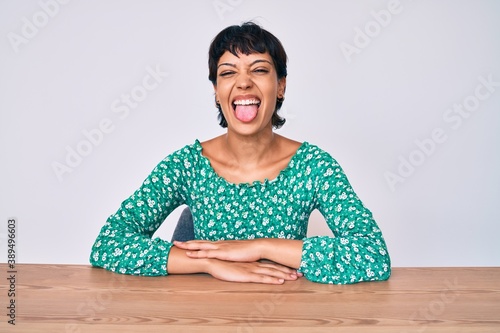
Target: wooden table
74 299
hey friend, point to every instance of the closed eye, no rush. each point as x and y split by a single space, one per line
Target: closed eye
226 73
261 70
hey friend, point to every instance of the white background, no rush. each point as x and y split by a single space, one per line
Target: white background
368 110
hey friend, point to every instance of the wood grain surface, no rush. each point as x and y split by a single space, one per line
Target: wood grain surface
77 299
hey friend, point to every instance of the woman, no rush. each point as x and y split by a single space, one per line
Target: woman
251 191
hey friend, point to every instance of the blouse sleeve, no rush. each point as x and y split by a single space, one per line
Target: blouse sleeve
357 252
125 243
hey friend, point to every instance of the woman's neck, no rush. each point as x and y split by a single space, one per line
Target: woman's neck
250 150
245 159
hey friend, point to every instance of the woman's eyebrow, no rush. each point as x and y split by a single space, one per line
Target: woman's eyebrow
260 60
226 64
253 63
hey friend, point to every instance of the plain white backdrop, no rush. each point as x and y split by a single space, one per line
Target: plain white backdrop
404 94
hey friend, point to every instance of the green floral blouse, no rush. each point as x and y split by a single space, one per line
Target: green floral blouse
278 208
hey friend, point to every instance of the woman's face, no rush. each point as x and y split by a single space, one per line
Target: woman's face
247 89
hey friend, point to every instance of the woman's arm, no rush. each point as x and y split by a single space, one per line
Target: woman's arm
285 252
358 251
125 243
251 271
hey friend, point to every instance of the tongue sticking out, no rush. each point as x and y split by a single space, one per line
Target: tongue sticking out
246 113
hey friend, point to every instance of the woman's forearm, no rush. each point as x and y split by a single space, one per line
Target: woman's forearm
286 252
180 263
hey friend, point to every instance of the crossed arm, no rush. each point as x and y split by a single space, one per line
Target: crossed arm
239 260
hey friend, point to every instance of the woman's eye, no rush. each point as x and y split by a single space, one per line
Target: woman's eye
223 74
261 70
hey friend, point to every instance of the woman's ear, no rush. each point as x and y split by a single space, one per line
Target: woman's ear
281 87
215 93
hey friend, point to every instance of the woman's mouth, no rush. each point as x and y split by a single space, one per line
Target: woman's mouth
246 110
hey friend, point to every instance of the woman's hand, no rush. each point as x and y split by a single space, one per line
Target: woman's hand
257 272
234 250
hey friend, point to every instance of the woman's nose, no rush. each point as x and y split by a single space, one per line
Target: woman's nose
243 81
